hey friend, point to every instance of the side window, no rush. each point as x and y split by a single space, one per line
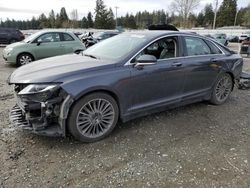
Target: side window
161 49
196 46
49 37
67 37
214 48
105 36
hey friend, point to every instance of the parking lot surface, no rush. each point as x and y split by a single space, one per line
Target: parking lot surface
199 145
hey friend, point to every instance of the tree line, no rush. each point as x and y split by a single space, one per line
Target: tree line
103 17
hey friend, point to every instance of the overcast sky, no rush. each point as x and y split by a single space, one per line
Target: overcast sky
25 9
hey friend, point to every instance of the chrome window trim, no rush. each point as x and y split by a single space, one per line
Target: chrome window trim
175 35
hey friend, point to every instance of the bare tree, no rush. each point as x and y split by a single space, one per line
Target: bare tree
184 8
74 18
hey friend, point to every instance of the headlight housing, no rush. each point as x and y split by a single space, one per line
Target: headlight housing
39 92
8 50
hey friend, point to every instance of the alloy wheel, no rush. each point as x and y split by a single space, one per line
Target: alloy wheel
24 59
223 88
95 118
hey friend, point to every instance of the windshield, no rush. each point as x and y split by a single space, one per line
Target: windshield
99 34
116 47
32 37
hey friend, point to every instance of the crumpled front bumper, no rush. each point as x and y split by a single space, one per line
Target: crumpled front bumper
18 119
21 117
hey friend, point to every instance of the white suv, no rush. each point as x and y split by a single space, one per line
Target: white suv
244 36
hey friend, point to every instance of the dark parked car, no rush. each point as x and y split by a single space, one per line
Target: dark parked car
9 35
121 78
245 45
233 38
97 37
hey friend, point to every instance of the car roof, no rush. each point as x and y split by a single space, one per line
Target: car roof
54 31
109 32
159 33
9 29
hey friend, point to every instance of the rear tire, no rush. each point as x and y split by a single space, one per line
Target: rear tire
93 117
78 51
222 89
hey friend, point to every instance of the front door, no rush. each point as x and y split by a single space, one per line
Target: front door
161 83
48 45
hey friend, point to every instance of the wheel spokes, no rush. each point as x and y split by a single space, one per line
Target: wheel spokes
223 88
95 118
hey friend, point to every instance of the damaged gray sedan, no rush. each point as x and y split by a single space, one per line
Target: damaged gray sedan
121 78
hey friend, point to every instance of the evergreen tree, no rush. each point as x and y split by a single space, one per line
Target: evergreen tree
52 19
58 22
241 15
103 16
90 22
200 19
208 15
246 18
64 19
84 23
110 19
226 13
63 14
43 21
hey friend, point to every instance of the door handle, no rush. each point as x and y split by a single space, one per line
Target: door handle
213 60
62 45
176 64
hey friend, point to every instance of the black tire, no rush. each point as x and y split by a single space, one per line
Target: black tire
93 120
222 89
21 59
78 51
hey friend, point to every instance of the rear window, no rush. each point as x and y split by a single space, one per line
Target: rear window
214 48
67 37
196 46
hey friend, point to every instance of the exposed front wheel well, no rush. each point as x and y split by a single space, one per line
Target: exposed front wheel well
233 79
78 51
112 94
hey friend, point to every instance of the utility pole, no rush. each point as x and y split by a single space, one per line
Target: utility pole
116 16
215 13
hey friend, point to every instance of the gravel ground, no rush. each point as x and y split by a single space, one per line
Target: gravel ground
199 145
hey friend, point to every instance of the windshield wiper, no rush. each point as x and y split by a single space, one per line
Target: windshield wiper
89 55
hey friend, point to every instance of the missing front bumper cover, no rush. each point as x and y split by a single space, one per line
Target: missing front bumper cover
18 119
42 123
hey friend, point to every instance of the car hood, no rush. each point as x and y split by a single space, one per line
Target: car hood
55 69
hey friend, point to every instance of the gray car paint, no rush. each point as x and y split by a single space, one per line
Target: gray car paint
138 92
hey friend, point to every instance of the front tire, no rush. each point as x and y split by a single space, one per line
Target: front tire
222 89
93 117
24 59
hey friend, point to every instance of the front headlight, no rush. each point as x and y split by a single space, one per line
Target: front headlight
39 92
8 50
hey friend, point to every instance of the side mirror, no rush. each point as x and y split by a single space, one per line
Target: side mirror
145 60
38 43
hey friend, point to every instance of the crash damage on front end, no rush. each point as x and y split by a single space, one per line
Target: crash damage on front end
41 108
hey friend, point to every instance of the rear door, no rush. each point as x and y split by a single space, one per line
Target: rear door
68 44
48 45
203 61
